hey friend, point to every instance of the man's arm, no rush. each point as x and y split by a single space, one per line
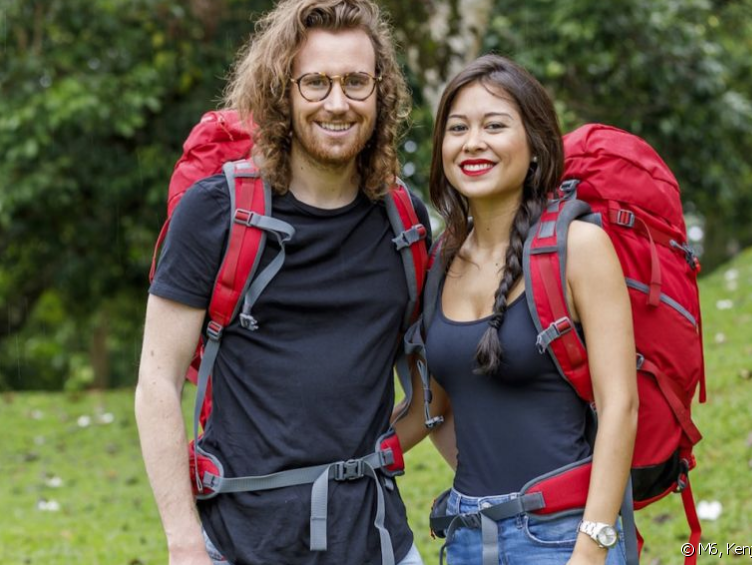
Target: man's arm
170 336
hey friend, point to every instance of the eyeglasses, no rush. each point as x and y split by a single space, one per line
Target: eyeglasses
315 87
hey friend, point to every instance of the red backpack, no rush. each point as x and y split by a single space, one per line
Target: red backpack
221 143
618 181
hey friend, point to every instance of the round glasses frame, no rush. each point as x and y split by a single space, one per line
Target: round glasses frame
342 79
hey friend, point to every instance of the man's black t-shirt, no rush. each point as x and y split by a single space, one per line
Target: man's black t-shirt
312 385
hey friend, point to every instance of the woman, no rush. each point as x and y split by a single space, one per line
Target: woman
497 155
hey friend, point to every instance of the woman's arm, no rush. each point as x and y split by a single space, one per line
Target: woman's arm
601 302
444 438
411 428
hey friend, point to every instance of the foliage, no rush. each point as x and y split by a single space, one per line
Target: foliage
673 72
95 100
96 97
106 513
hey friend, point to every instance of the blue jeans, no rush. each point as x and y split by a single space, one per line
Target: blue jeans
412 557
522 539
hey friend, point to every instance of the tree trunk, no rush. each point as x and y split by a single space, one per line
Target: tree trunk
459 26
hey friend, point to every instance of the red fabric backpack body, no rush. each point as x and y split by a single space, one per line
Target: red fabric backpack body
618 181
221 143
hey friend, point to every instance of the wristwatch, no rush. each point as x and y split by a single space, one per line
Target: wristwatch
604 535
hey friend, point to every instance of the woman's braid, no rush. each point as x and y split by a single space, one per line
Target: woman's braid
489 353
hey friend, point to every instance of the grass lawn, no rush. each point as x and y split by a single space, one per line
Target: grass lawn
74 490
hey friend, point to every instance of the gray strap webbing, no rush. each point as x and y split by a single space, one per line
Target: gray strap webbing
319 502
414 345
283 232
207 365
402 366
629 527
520 505
490 536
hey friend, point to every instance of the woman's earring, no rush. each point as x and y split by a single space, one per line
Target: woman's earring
535 159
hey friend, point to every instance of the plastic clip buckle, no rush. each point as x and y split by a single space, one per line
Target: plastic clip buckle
409 237
470 520
552 332
246 217
625 218
248 322
682 481
214 330
348 470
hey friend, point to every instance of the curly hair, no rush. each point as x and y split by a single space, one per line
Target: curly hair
260 82
501 77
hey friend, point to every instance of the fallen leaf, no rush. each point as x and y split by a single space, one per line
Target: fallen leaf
731 275
724 304
48 505
709 510
54 482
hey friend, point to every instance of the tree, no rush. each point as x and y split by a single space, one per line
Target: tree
95 100
673 72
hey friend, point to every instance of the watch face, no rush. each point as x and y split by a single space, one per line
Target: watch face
607 536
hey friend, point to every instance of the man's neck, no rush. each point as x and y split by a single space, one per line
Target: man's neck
321 185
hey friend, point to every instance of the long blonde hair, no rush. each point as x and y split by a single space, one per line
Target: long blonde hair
260 83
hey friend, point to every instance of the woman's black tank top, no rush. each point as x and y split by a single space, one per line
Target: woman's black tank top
516 425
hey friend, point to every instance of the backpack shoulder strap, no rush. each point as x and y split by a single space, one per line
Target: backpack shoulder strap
436 272
248 198
250 220
410 234
544 264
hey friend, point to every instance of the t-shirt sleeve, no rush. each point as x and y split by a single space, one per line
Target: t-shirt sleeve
194 246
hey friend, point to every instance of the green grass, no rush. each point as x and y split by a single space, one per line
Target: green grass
107 516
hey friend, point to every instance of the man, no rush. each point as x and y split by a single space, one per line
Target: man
314 384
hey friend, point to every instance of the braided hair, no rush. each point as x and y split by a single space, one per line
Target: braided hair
501 77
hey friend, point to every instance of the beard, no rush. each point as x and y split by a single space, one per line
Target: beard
329 153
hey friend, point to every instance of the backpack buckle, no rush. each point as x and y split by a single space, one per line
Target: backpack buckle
246 218
625 218
214 330
348 470
472 520
568 188
552 332
248 322
411 236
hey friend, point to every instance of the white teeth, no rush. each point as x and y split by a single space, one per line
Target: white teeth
478 167
334 127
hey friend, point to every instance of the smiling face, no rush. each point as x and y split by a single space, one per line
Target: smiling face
485 150
331 133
